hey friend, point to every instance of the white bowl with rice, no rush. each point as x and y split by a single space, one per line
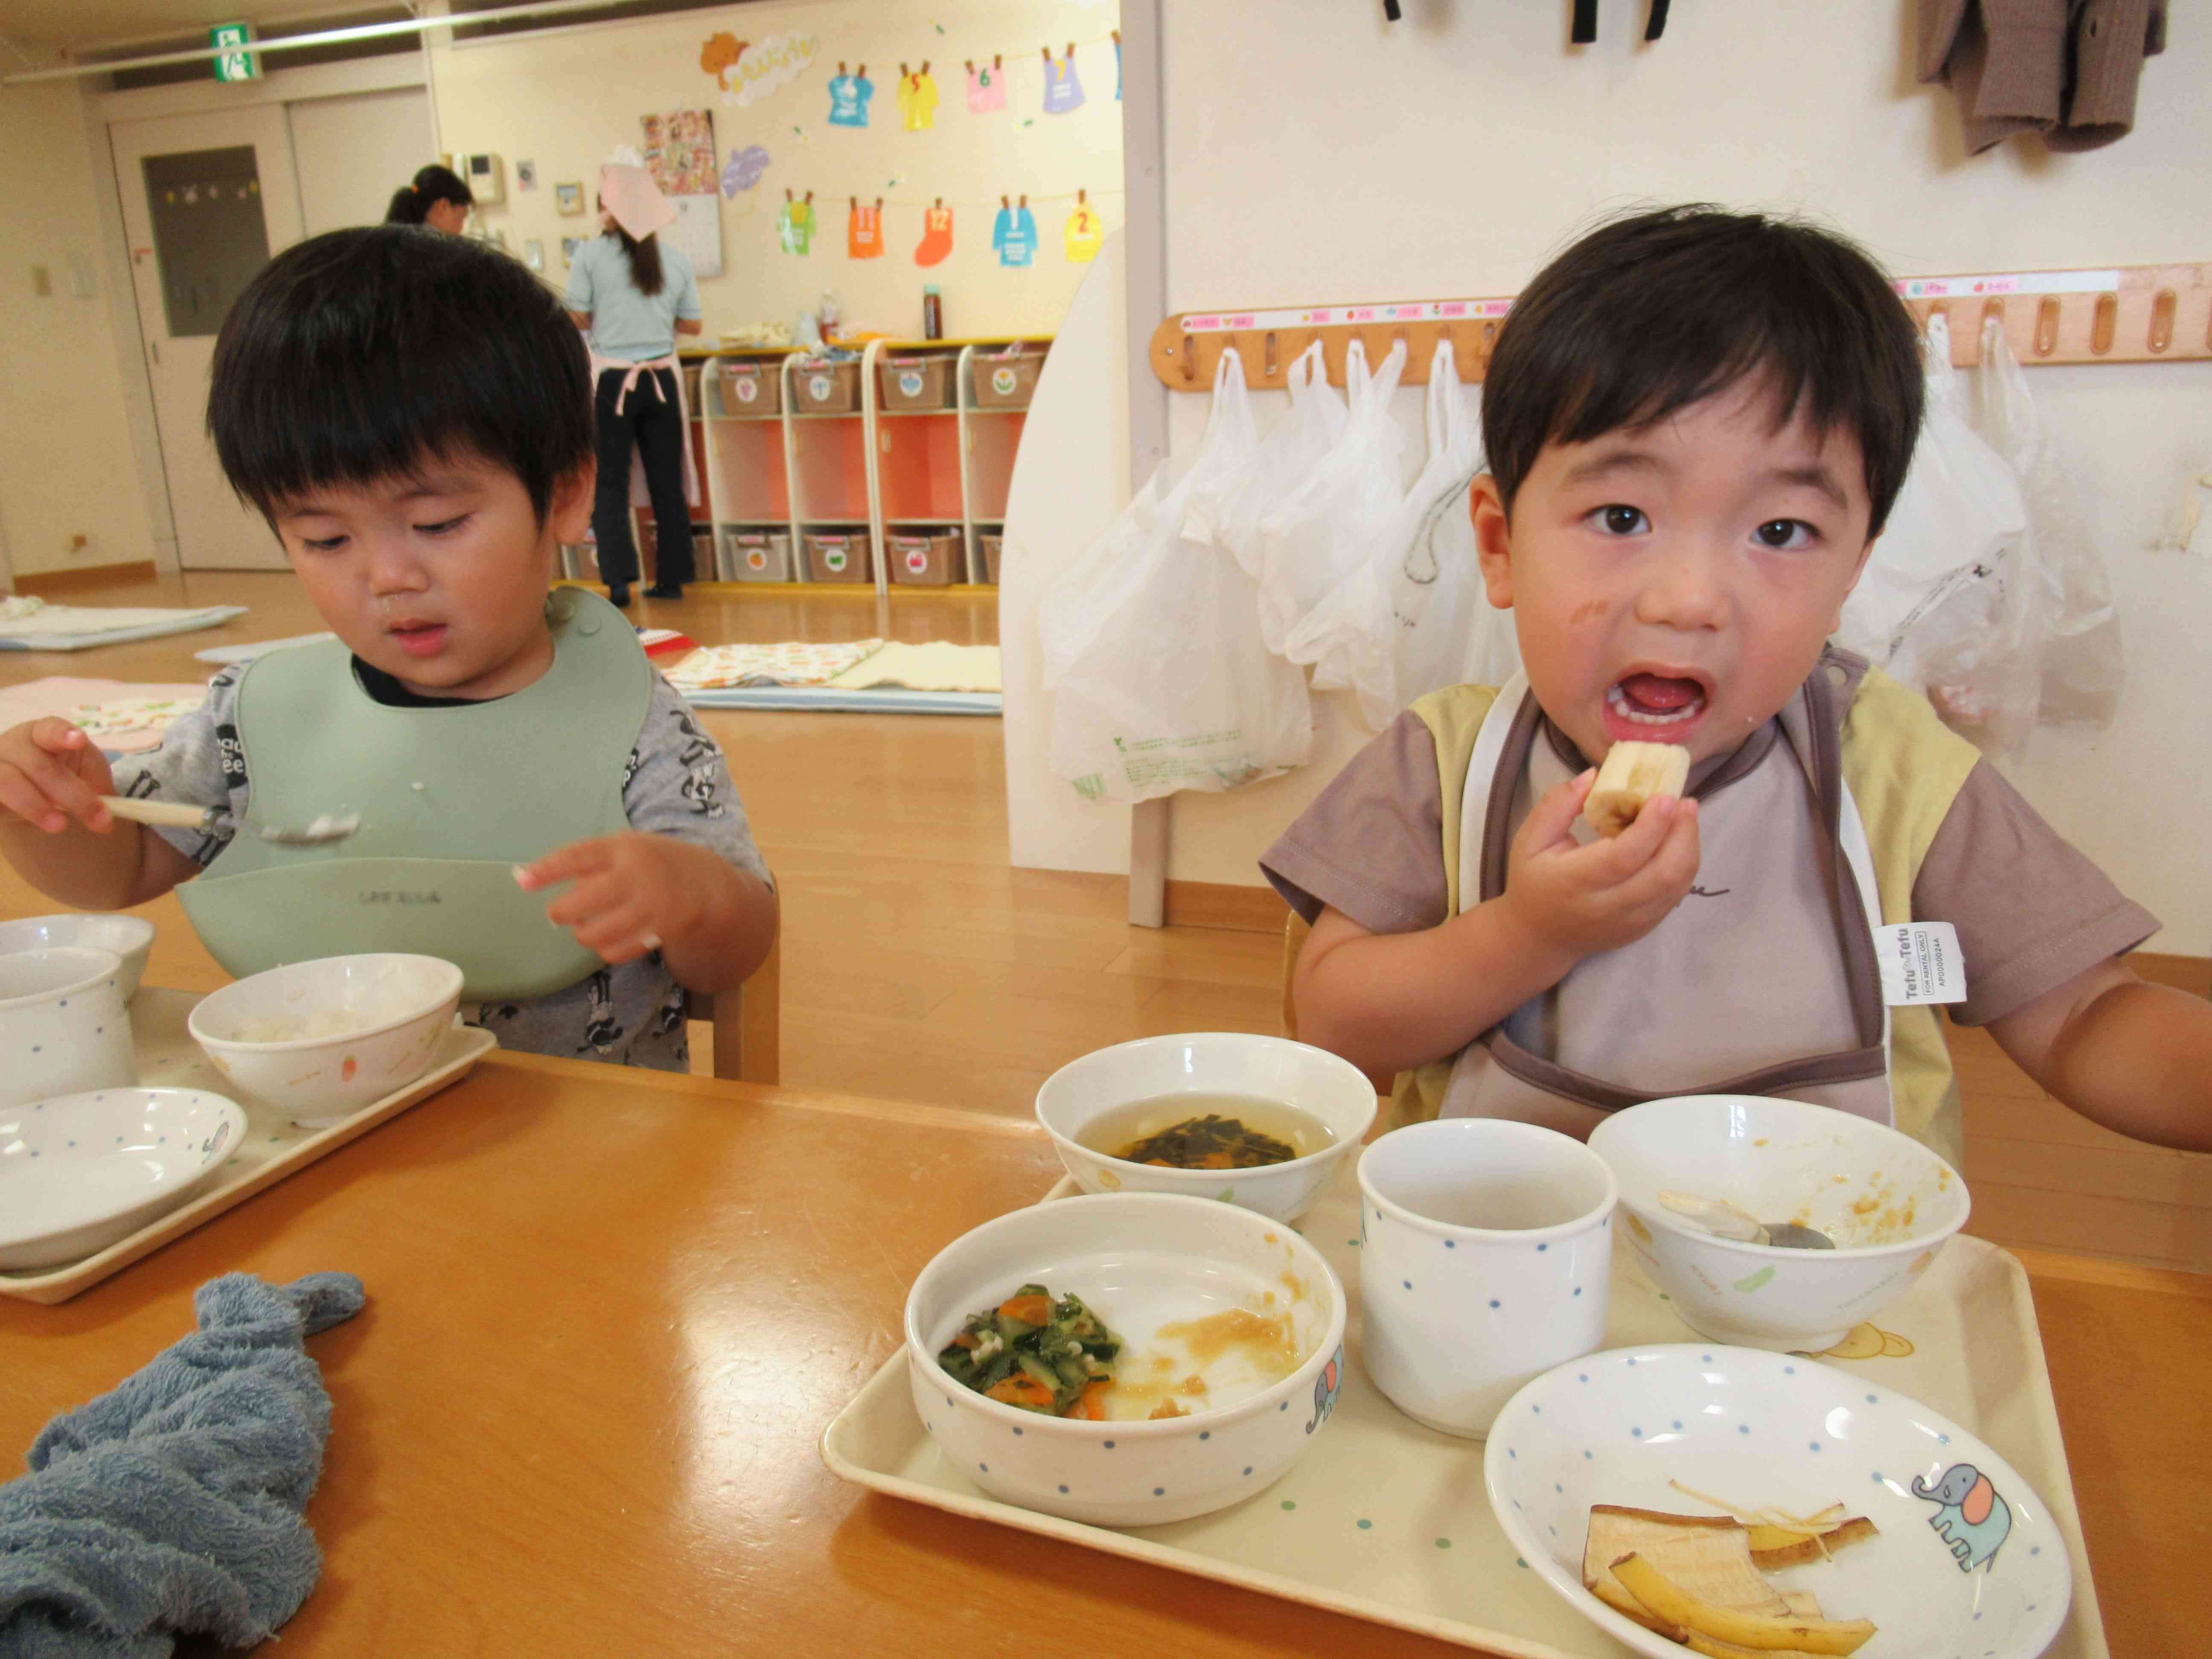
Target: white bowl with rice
320 1040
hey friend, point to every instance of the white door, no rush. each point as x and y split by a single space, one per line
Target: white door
206 200
353 152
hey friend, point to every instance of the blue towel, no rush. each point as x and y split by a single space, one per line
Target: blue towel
171 1505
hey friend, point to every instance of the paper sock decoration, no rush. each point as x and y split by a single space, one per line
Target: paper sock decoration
936 235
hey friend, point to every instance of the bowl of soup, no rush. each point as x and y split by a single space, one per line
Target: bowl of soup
1259 1122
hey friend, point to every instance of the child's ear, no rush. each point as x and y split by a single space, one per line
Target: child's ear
572 503
1492 540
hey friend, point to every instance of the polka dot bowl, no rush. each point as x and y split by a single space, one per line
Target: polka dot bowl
1966 1562
1210 1063
1887 1202
397 1009
131 937
79 1172
1146 1263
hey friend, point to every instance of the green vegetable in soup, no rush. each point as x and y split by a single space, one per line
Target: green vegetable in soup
1211 1142
1042 1353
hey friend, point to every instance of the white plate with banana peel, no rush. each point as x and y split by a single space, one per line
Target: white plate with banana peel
1698 1499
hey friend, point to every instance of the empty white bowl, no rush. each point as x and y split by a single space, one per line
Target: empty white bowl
1886 1200
1139 1261
79 1172
129 937
394 1011
1210 1063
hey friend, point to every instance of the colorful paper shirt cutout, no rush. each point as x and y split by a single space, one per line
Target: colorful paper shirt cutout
936 236
1063 91
917 99
1084 235
849 100
987 90
864 233
1015 236
795 227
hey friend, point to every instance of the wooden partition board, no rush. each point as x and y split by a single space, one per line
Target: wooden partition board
2118 315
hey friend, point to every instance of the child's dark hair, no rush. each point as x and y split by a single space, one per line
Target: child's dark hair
410 203
361 355
1658 310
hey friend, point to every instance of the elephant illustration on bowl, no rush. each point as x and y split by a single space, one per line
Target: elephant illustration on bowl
1974 1520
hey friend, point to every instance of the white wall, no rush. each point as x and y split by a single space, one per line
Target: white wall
565 97
1334 156
66 465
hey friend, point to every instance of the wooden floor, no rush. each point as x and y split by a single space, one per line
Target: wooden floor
917 963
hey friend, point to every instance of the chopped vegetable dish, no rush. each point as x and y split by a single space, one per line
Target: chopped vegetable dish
1042 1353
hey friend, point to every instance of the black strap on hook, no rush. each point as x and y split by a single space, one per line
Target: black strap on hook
1657 26
1389 11
1585 27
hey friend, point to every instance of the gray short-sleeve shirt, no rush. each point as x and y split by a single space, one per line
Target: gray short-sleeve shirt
675 782
1370 846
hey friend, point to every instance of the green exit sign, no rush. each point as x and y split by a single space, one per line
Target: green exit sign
234 62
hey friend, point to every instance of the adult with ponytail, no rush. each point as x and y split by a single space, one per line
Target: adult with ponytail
633 296
436 197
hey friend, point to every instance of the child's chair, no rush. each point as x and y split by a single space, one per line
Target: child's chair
747 1022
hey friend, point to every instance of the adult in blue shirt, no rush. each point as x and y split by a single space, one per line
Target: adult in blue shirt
632 296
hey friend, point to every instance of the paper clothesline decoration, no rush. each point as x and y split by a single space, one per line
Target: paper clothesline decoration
1062 91
987 86
1085 234
863 230
936 235
849 95
1013 236
917 98
795 224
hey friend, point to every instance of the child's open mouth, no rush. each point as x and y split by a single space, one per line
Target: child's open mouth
1654 708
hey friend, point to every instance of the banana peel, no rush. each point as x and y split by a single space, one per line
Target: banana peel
1777 1546
1760 1632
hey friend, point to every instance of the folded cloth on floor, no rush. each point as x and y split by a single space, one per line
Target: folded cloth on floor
120 717
172 1504
936 667
30 624
793 662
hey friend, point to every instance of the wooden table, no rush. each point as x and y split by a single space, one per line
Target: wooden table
611 1312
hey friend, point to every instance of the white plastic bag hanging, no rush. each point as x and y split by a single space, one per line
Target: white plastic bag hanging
1313 539
1151 645
1412 617
1226 511
2080 651
1956 519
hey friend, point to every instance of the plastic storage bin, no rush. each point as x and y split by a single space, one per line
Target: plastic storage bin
756 556
702 552
926 561
838 557
916 383
825 388
752 388
1007 382
988 543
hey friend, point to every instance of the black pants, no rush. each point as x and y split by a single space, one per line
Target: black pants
651 420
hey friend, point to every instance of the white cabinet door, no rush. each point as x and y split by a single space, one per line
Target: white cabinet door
206 200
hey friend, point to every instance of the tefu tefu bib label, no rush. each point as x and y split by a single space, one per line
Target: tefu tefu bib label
1920 962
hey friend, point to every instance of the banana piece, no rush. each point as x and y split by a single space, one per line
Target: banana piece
1633 774
1671 1603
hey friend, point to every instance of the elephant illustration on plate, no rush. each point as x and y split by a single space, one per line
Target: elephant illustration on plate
1974 1519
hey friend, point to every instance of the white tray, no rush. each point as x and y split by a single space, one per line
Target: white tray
1388 1521
272 1147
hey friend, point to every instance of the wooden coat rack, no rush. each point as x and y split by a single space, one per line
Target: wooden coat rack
2121 314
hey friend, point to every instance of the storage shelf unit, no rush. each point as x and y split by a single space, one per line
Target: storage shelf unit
877 468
